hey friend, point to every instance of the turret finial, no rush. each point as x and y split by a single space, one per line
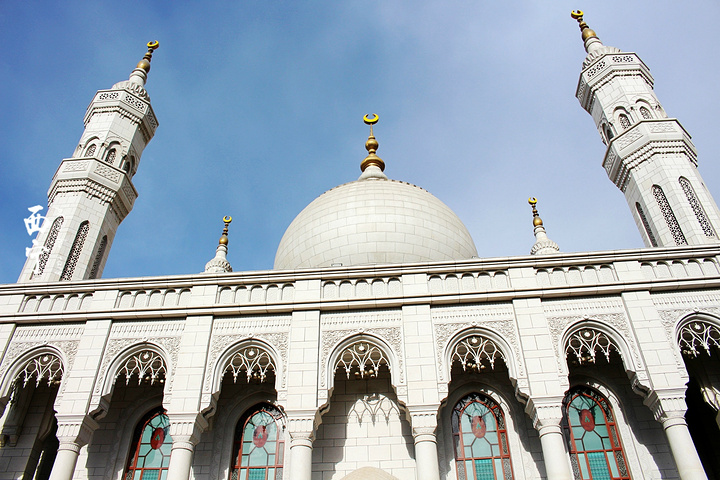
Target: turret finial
543 245
371 146
145 62
590 38
219 264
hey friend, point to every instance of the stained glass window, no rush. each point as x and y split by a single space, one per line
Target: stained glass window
480 439
150 454
595 449
258 448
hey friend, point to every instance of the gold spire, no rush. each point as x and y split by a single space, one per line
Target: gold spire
224 238
145 62
371 145
537 221
587 32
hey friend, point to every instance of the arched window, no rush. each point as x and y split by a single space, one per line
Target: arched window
624 121
150 450
110 157
608 133
90 150
258 448
670 218
480 439
646 225
594 442
645 113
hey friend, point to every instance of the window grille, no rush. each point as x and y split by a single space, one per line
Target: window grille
99 257
43 368
646 225
74 255
645 113
696 207
586 343
670 219
49 244
624 121
90 150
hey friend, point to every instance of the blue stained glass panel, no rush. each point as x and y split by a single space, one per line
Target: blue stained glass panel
484 469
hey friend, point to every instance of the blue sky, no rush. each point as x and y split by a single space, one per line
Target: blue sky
260 107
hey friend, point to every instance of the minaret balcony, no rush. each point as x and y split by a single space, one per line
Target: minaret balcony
606 68
94 178
641 142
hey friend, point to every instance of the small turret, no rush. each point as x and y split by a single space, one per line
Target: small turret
219 263
543 245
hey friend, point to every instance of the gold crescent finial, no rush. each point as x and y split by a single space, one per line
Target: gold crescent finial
227 219
532 200
536 216
371 121
587 32
224 237
577 15
153 45
144 64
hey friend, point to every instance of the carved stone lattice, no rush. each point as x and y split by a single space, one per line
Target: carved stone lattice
585 343
77 247
49 243
696 335
670 218
254 362
362 359
697 207
99 257
646 225
45 367
475 352
147 365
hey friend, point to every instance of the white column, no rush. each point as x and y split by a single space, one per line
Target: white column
64 466
682 447
553 448
181 457
74 431
546 419
426 456
185 430
301 455
301 427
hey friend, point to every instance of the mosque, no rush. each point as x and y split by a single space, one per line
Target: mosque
380 346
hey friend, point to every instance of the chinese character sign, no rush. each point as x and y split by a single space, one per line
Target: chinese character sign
34 224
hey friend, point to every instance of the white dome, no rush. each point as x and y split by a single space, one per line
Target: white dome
371 221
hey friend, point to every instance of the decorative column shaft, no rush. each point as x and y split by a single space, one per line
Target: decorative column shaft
546 419
669 407
73 433
683 449
424 424
302 434
185 430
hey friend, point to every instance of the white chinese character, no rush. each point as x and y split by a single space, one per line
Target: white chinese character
34 251
34 223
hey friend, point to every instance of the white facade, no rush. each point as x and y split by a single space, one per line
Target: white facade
371 369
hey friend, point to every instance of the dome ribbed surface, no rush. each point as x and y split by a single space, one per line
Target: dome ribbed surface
374 221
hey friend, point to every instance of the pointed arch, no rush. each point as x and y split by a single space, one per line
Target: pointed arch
669 215
131 361
698 334
253 358
696 207
358 354
75 251
258 444
149 455
586 338
46 361
487 347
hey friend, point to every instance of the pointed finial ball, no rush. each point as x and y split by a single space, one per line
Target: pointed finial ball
371 120
145 62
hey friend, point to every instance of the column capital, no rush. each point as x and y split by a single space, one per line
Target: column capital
186 428
75 430
545 412
423 419
301 427
667 404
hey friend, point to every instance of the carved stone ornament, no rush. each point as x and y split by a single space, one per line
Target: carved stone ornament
17 349
220 343
391 335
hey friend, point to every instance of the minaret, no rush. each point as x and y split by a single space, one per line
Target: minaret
543 245
92 192
650 157
220 264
